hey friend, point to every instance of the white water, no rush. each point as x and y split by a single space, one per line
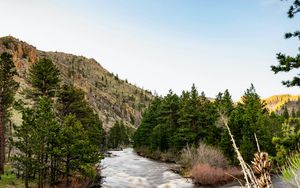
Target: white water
125 169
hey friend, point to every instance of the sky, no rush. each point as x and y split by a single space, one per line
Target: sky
165 44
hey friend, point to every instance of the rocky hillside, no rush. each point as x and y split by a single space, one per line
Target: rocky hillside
277 103
112 98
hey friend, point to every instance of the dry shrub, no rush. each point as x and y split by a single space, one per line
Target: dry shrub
204 154
205 174
80 182
168 157
75 182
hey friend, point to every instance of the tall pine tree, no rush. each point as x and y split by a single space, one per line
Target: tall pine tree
44 77
8 88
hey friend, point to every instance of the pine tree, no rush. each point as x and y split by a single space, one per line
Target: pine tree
150 119
44 77
118 135
248 118
46 130
287 62
76 150
169 117
224 106
8 88
52 150
159 140
189 113
224 103
71 101
285 113
25 142
37 140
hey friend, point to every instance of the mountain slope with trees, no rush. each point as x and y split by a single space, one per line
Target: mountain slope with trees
112 98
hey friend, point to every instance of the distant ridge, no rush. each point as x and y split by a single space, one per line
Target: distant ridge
276 103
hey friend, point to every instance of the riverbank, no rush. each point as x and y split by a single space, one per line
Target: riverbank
13 179
165 157
205 165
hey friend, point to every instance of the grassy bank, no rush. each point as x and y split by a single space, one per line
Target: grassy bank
168 157
206 165
10 180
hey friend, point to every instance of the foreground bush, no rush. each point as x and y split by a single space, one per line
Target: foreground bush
291 171
203 154
205 174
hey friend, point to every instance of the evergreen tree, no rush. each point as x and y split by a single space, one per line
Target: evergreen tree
75 150
25 160
250 117
286 62
287 142
285 113
8 88
118 135
169 117
173 122
36 139
150 119
71 101
46 132
50 150
44 78
209 131
224 103
188 120
224 106
159 140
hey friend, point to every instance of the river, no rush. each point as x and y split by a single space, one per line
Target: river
125 169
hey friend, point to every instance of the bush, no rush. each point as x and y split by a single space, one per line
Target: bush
291 170
204 154
205 174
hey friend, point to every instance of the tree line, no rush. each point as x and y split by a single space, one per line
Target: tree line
173 122
60 136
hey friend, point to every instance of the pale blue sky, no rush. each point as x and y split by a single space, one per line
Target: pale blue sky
165 44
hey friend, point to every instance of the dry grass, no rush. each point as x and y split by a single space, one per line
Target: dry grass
75 182
208 165
203 154
205 174
169 156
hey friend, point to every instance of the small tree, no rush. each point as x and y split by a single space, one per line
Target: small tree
44 78
118 135
76 150
46 130
8 88
25 142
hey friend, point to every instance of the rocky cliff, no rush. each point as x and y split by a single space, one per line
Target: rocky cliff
112 98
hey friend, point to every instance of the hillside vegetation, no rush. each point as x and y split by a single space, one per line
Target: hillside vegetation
277 103
112 98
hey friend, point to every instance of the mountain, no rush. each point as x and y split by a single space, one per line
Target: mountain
277 103
112 98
